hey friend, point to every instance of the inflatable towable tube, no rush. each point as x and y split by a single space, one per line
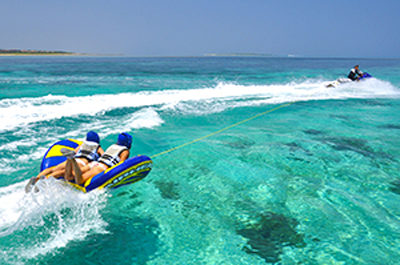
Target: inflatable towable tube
127 172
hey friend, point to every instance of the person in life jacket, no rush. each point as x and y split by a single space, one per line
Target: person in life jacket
355 73
90 150
114 154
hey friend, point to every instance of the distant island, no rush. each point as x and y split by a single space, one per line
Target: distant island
16 52
249 54
238 55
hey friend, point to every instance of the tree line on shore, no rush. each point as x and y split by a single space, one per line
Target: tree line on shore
20 51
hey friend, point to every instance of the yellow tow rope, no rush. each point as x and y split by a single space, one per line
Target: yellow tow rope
223 129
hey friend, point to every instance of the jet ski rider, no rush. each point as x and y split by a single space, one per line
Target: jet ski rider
355 73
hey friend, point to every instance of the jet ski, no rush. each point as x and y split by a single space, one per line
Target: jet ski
340 81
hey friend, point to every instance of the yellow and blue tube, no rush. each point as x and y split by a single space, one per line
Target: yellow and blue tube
127 172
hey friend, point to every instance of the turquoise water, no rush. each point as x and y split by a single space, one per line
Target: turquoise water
316 182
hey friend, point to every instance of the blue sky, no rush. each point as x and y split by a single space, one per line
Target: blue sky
185 28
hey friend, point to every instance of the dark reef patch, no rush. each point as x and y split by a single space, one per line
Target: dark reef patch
350 144
270 234
341 117
395 186
313 132
168 190
297 159
390 126
359 146
240 144
294 147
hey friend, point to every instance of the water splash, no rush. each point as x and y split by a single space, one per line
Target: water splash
48 219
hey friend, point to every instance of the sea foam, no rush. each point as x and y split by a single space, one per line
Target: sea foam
22 111
65 214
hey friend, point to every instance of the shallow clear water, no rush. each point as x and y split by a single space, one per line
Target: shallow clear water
316 182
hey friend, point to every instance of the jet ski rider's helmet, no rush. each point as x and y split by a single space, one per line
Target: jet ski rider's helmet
93 137
125 139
